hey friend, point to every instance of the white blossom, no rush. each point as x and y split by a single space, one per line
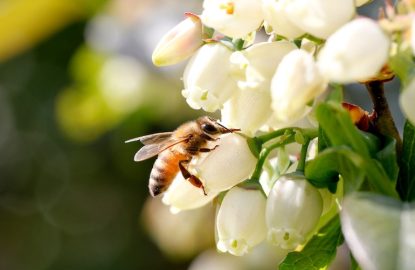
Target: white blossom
357 51
296 83
180 42
276 16
240 222
250 107
182 195
320 17
234 18
229 164
256 65
207 79
293 210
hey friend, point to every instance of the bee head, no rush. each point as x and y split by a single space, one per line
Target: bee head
211 126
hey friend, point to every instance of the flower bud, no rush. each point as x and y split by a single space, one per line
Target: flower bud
207 80
240 222
320 17
229 164
182 195
234 18
406 99
296 82
356 52
293 210
180 42
275 15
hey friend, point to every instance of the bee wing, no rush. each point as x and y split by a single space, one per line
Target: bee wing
151 150
152 138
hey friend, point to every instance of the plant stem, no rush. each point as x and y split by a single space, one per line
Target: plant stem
265 152
303 156
307 132
383 121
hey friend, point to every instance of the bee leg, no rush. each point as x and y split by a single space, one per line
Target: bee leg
194 180
207 137
205 150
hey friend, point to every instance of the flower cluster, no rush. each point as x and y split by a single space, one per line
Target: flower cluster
265 65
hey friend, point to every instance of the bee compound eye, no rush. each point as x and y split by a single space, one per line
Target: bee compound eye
209 128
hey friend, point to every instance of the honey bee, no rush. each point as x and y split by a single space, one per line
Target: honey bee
176 149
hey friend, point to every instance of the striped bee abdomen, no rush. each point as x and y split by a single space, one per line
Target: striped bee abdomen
164 170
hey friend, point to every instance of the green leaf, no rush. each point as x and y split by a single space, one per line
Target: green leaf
336 93
403 65
324 170
379 231
340 130
353 167
323 141
319 251
254 145
406 183
388 158
372 142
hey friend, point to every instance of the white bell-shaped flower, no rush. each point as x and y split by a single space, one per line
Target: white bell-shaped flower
240 222
228 165
182 195
407 100
256 65
207 79
276 16
180 42
293 210
250 107
234 18
295 84
320 18
356 52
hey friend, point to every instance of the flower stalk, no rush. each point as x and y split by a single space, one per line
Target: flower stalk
382 119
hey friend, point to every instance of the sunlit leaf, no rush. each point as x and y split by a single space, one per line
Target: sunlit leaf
379 231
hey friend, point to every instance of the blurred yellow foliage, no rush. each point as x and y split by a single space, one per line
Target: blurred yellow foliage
25 22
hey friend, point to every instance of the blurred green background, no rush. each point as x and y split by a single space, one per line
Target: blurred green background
76 81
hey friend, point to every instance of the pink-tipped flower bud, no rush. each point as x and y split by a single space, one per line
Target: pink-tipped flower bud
180 42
